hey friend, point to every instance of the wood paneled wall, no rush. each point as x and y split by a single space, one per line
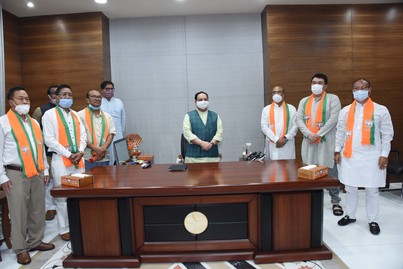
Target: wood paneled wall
346 42
68 49
12 51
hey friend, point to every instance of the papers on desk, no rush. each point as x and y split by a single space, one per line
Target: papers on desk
80 175
309 167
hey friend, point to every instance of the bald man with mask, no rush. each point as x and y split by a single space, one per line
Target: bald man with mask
278 123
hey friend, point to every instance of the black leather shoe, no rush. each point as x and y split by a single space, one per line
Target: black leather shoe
374 228
345 221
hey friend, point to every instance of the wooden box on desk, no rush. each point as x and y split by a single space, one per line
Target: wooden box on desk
313 173
146 157
77 181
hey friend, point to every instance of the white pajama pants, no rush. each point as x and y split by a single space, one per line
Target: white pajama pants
372 202
59 170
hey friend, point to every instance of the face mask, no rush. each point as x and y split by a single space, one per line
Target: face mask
66 103
277 98
22 109
316 89
94 107
53 101
108 94
202 104
361 95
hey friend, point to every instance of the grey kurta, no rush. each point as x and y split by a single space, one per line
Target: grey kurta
319 153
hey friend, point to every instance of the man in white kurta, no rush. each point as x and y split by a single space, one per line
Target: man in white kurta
318 147
100 131
277 145
204 139
114 107
366 167
52 136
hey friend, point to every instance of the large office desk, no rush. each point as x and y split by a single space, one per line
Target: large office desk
255 211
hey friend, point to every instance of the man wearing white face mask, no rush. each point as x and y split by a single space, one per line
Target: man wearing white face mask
66 137
317 118
100 130
23 175
278 123
364 134
202 128
50 203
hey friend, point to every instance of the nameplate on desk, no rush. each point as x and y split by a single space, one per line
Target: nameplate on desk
177 167
77 180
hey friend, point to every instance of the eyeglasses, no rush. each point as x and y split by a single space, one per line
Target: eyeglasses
96 96
66 95
109 89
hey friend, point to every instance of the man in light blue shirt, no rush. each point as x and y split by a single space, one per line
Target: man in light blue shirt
114 107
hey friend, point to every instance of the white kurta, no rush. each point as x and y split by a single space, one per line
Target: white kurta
116 109
319 153
51 135
362 170
189 136
288 150
98 131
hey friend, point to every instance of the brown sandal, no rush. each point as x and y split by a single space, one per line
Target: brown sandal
337 210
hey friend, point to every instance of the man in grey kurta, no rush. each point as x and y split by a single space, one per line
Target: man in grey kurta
319 134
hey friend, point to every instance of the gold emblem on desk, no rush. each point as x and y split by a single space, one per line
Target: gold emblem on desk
195 222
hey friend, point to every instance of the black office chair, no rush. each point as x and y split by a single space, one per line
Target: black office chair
121 152
395 168
182 155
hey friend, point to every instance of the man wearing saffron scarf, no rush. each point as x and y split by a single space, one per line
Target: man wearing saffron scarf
23 175
202 128
65 136
363 137
317 119
278 123
100 131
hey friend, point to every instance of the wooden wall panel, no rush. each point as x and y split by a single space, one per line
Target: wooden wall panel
345 42
12 53
303 40
66 49
378 56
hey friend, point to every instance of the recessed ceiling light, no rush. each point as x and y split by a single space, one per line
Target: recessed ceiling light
30 4
101 1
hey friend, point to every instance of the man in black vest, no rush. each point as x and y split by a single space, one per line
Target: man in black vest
50 203
203 130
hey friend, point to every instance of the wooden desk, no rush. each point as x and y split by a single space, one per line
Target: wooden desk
258 211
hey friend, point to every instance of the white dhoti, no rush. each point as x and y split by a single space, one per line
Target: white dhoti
59 170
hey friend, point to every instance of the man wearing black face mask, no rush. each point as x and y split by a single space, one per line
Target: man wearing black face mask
23 174
50 202
100 131
65 136
202 128
363 141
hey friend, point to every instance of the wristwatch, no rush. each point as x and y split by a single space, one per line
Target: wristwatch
285 138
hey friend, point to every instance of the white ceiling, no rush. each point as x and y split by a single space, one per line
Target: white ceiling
150 8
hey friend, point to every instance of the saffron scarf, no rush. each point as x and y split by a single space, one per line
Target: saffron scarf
31 166
320 117
286 118
65 138
368 127
89 118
